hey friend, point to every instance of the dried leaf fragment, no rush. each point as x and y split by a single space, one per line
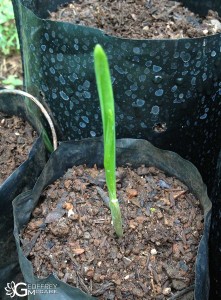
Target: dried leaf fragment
131 193
68 206
78 251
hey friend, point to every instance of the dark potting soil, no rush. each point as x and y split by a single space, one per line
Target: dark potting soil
140 19
70 234
16 140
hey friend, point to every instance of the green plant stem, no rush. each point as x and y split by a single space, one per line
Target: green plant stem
105 92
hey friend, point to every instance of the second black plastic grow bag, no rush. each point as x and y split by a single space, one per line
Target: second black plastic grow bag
12 103
22 179
157 82
90 152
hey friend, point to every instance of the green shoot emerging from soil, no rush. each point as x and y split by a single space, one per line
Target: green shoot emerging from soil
106 97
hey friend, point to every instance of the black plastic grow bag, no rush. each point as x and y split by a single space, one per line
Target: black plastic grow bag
22 179
171 82
20 106
90 152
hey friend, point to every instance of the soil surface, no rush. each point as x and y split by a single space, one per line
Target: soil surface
16 139
70 234
140 19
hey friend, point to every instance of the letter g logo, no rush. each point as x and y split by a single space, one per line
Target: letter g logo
12 289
